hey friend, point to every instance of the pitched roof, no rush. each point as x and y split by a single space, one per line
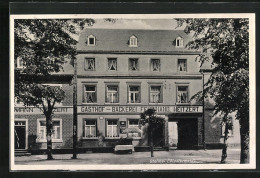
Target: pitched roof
118 40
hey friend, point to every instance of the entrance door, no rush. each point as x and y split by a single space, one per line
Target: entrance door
158 136
187 133
20 134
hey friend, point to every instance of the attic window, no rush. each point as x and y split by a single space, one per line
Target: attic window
133 41
91 40
179 42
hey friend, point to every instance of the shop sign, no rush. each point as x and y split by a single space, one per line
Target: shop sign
139 109
33 110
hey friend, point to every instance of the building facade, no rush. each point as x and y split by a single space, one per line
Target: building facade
120 74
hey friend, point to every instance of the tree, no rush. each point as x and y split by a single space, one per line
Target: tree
43 45
227 42
150 119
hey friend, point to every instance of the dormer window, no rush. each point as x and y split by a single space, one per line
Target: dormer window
179 42
133 41
91 40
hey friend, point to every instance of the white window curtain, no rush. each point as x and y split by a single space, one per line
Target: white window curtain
182 96
90 64
182 65
90 128
112 64
90 94
133 64
112 94
112 130
134 94
155 94
155 65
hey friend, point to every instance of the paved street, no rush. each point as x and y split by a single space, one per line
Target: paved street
160 157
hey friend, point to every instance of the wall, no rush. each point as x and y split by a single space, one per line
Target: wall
168 64
32 131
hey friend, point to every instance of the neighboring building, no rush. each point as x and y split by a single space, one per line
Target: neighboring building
121 73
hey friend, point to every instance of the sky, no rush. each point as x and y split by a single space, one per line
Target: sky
162 24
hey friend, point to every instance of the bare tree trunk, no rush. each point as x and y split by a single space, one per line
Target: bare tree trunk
244 138
48 135
224 150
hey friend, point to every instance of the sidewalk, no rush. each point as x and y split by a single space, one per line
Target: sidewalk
160 157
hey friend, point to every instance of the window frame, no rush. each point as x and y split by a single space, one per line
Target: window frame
85 64
112 58
129 64
84 128
186 66
188 94
128 92
91 36
84 92
106 92
44 140
128 124
133 41
180 41
161 93
151 64
117 130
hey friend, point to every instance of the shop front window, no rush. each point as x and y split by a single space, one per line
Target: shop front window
90 128
112 128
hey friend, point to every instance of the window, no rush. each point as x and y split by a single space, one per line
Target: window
20 63
112 95
155 65
134 123
133 64
112 128
91 40
134 94
182 65
90 64
90 129
112 64
182 94
57 131
133 41
156 94
90 94
179 42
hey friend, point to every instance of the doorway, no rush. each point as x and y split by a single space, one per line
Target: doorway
187 133
20 137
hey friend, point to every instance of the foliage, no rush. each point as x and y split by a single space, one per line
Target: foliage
43 46
227 42
150 118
